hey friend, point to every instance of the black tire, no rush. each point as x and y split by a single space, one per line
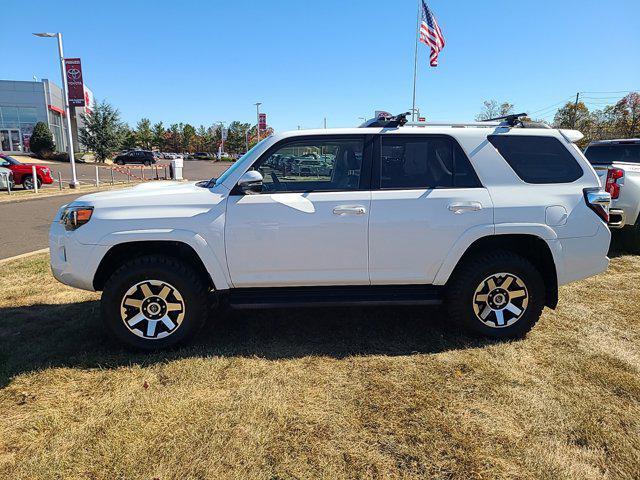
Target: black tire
27 182
147 163
119 162
630 237
461 295
160 271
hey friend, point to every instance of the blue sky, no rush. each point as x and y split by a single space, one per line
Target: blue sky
206 61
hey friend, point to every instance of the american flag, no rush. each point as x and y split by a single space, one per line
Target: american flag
430 34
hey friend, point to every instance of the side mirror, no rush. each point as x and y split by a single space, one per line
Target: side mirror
250 182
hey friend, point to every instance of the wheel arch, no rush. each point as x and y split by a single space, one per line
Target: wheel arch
122 252
530 246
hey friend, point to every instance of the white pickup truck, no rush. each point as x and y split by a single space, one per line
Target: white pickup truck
617 163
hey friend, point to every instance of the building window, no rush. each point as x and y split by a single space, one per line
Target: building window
10 116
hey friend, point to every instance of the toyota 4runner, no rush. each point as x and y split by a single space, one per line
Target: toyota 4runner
487 218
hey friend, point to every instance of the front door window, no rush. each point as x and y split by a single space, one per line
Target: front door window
315 165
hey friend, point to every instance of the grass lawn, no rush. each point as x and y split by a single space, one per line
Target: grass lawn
332 393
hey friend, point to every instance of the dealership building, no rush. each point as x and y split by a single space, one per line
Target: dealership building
25 103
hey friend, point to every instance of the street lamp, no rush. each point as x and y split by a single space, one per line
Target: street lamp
65 98
257 104
221 146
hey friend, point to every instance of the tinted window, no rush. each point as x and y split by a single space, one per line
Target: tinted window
424 162
607 154
318 164
537 159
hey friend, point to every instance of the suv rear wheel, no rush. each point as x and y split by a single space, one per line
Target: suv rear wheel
498 294
154 302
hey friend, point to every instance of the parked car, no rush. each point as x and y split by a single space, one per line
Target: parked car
144 157
310 166
6 179
487 219
202 156
617 163
23 172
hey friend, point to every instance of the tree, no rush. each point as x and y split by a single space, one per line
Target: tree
492 109
41 139
144 134
188 136
236 137
627 111
129 138
571 116
159 134
102 132
174 137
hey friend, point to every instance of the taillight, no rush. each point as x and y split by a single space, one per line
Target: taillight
612 186
599 201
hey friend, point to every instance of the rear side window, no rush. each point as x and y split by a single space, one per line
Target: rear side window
607 154
424 162
537 159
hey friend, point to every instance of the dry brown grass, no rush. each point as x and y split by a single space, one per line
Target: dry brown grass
340 393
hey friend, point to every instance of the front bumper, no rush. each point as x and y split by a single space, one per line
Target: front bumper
73 263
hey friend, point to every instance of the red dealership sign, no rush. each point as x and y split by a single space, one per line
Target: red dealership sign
75 85
262 121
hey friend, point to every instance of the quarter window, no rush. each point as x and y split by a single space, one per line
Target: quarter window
537 159
424 162
313 165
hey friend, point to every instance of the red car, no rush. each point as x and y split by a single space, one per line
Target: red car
23 173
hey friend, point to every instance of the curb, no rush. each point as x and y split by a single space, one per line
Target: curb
24 255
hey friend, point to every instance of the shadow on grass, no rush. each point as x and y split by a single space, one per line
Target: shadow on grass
71 335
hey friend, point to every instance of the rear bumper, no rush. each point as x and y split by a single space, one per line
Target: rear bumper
585 256
617 218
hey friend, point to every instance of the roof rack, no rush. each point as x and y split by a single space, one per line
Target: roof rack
508 121
512 119
387 122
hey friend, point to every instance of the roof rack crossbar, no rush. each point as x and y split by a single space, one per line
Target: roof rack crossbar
511 119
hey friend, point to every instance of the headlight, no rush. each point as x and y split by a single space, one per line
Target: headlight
74 217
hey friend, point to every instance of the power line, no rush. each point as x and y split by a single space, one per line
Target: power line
552 106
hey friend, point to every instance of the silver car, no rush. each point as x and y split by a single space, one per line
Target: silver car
6 179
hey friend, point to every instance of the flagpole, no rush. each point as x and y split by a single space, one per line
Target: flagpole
415 63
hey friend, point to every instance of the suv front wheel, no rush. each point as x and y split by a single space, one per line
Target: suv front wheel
498 294
154 302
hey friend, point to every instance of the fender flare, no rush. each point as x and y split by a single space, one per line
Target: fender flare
216 269
473 234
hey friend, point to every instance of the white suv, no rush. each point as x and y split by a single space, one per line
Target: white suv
486 218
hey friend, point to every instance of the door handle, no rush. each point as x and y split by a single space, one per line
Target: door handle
462 207
349 210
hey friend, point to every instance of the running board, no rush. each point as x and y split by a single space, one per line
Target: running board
365 295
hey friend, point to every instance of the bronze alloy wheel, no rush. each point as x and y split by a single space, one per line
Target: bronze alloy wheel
152 309
500 300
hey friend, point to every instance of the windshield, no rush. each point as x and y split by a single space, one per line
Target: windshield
7 160
617 152
232 168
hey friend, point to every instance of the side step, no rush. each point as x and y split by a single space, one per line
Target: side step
372 295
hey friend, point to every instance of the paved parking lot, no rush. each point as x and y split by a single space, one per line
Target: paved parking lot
24 224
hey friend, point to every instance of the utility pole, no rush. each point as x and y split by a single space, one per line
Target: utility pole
325 123
258 118
575 110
